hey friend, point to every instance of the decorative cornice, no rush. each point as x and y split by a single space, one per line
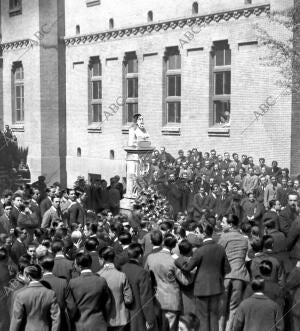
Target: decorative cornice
17 44
166 25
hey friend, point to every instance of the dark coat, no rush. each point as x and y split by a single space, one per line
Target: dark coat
198 206
14 216
77 214
92 300
95 262
35 208
121 259
17 250
258 313
62 291
286 218
212 265
63 267
142 309
45 205
35 308
293 239
174 196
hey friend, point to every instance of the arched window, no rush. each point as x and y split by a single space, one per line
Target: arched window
111 23
112 154
77 29
195 8
150 16
78 152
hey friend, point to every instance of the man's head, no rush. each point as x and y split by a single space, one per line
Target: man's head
31 250
20 233
135 251
55 202
33 273
47 262
273 180
293 200
156 237
83 261
206 163
262 161
17 200
296 184
108 254
7 208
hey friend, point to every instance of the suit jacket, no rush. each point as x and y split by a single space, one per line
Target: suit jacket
95 262
35 308
211 202
167 275
286 218
121 294
5 224
198 206
17 250
14 216
223 206
63 267
277 274
62 291
258 313
76 214
212 265
293 239
293 284
45 205
121 258
35 208
236 247
91 296
142 308
51 215
271 193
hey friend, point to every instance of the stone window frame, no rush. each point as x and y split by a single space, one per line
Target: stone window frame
15 7
91 80
174 99
18 82
224 98
130 56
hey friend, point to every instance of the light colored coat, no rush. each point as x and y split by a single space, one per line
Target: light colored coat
121 292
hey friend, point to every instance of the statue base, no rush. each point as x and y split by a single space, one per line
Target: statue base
136 165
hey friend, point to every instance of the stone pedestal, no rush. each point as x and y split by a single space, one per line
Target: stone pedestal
135 166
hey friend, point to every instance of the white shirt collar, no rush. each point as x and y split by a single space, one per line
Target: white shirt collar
86 271
48 273
207 239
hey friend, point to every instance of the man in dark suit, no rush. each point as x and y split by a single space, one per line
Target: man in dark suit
35 307
199 204
18 248
17 201
258 312
63 267
142 317
5 223
91 295
289 213
47 202
91 245
212 265
58 285
34 205
293 241
122 257
76 210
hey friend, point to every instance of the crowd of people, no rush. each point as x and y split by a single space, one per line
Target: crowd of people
212 243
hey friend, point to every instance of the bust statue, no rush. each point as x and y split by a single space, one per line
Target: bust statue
138 135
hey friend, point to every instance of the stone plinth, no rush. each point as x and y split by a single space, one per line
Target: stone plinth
135 167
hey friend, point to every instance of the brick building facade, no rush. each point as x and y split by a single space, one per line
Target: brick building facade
185 65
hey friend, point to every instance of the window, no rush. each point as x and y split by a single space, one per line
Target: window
195 8
15 7
111 23
78 152
112 154
248 2
173 86
18 92
221 83
131 88
95 90
150 16
77 29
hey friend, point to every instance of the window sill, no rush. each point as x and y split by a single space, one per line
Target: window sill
219 132
15 11
18 127
95 128
171 131
91 3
